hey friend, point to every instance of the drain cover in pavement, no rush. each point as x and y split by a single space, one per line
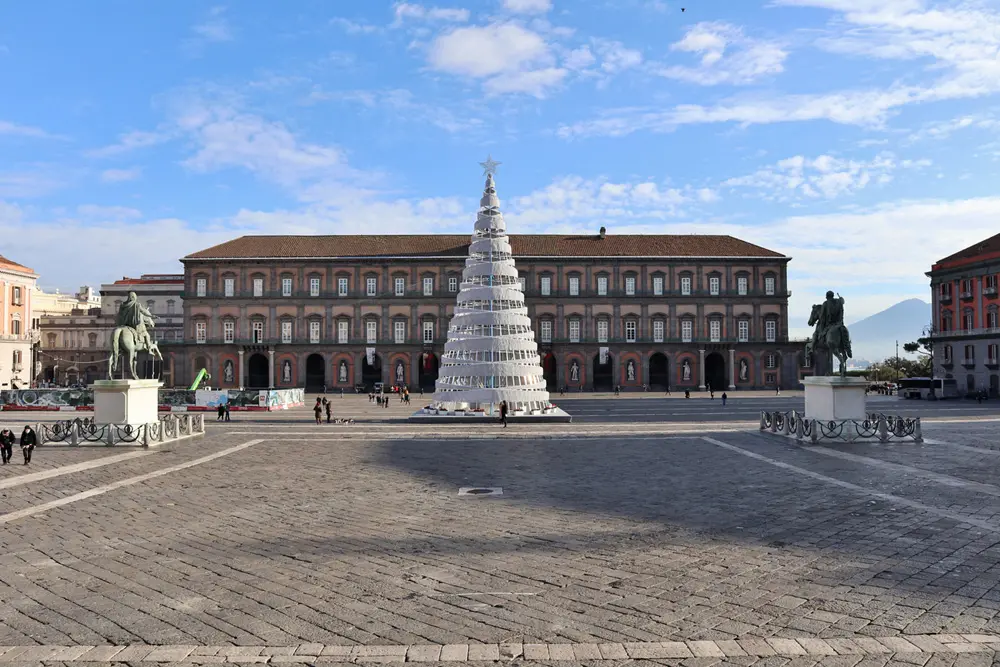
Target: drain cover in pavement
480 491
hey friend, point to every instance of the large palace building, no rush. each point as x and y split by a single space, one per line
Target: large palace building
684 312
966 311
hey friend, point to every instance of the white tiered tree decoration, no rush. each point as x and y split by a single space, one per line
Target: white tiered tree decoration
491 354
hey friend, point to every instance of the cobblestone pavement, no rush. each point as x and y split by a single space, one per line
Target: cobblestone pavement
669 547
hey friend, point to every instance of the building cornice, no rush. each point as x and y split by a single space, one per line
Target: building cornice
564 258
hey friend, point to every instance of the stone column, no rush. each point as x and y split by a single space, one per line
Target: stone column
270 368
701 370
732 369
239 381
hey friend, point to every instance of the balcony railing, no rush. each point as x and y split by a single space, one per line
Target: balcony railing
992 361
28 337
968 363
612 340
989 291
945 298
965 296
530 292
985 331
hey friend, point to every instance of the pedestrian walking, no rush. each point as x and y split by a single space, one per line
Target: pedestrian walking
28 442
503 413
386 403
318 411
687 393
227 412
220 414
777 390
668 390
6 445
724 397
329 410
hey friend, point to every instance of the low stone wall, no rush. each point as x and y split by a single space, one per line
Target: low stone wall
77 432
170 400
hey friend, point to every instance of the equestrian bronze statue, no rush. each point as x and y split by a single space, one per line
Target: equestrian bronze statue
131 335
830 337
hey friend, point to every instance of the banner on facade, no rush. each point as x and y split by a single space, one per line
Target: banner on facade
370 355
604 355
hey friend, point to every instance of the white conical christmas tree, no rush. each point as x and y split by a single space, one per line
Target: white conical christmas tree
491 354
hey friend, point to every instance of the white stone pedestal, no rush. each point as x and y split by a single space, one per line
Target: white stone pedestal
835 398
126 401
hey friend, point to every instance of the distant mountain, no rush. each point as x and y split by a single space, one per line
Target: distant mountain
875 337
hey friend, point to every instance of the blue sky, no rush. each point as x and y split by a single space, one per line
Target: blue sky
858 136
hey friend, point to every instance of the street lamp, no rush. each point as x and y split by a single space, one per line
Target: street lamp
929 333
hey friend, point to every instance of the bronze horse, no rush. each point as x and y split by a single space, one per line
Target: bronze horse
834 339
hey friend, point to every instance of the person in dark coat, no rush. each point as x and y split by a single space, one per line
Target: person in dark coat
503 413
318 411
329 410
6 445
227 412
28 441
220 414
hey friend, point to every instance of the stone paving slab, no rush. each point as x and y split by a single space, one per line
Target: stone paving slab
894 646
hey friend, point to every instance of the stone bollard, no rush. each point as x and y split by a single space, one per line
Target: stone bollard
74 435
814 432
918 435
799 428
763 425
111 435
883 429
189 423
785 426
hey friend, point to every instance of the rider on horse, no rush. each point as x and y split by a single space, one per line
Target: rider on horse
134 315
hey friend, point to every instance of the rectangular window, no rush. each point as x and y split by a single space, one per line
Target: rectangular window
341 286
630 331
743 331
770 331
371 331
945 290
524 283
399 331
713 285
602 285
371 285
630 285
769 285
970 354
991 352
230 286
286 332
258 332
428 286
545 331
657 331
715 331
258 287
228 331
574 331
602 331
314 331
286 287
686 285
170 307
343 331
546 285
200 332
687 329
452 284
15 327
314 287
574 286
17 296
967 320
991 320
741 285
399 287
428 332
657 285
771 361
990 282
947 354
201 286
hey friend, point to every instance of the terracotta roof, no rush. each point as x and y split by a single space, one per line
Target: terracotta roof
14 266
457 245
166 279
976 251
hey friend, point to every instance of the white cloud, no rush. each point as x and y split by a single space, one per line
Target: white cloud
823 177
527 6
93 211
507 56
405 108
214 29
131 141
727 56
29 184
15 130
121 175
409 11
354 27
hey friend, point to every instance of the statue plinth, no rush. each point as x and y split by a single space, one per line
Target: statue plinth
132 402
835 398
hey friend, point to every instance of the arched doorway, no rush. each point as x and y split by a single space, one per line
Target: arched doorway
315 372
549 372
715 372
429 366
371 373
659 372
257 376
604 374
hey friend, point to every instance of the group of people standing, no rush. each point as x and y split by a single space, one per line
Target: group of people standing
222 414
28 441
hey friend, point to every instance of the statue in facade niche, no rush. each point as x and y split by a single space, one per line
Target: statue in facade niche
830 336
630 371
686 370
132 334
227 371
574 371
343 371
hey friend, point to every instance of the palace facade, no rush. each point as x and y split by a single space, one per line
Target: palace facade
18 333
966 312
684 312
